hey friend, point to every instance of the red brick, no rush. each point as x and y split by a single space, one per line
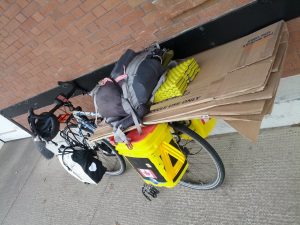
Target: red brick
84 42
20 17
19 33
50 43
88 5
35 31
3 45
30 9
77 12
192 21
199 2
67 42
38 17
69 60
4 20
170 31
68 6
109 4
28 24
10 50
79 54
294 24
243 2
72 30
64 21
294 36
12 25
56 14
12 11
24 50
123 9
163 22
151 18
9 60
43 64
138 26
106 42
18 44
85 20
87 60
45 24
16 56
26 38
32 44
135 3
121 34
47 9
22 3
10 39
52 29
3 33
92 27
148 32
178 9
107 18
92 49
4 5
133 16
99 11
113 27
147 6
30 55
60 37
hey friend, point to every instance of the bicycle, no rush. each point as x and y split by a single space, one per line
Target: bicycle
197 151
74 136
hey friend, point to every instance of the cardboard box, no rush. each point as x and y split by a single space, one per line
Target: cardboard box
237 82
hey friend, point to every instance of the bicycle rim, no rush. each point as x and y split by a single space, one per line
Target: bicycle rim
206 170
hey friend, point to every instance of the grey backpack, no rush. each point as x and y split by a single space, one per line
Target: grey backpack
123 99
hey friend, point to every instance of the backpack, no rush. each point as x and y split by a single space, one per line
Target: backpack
123 98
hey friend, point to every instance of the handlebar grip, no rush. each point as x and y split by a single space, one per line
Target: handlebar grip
65 84
72 84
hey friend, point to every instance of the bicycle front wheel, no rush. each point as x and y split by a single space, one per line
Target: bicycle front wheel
106 153
206 170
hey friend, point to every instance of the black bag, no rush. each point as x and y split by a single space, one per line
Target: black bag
90 165
123 99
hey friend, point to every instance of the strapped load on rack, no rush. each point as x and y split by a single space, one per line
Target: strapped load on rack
123 99
237 82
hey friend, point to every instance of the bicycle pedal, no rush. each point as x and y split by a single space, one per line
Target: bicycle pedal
149 191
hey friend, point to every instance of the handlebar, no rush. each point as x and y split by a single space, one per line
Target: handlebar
65 84
58 103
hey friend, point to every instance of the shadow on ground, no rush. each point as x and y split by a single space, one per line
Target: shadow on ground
261 187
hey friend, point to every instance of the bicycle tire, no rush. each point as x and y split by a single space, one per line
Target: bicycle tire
220 170
120 160
113 169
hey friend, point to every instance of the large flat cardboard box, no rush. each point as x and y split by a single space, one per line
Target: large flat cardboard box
236 81
236 68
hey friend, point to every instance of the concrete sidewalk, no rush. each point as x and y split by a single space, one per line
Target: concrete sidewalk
261 187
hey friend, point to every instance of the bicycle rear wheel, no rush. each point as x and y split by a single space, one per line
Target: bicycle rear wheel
206 170
106 153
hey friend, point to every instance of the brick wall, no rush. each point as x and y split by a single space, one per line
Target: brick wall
292 61
44 41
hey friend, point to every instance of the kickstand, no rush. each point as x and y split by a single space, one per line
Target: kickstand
149 191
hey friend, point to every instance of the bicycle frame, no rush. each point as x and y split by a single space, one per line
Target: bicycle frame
86 124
